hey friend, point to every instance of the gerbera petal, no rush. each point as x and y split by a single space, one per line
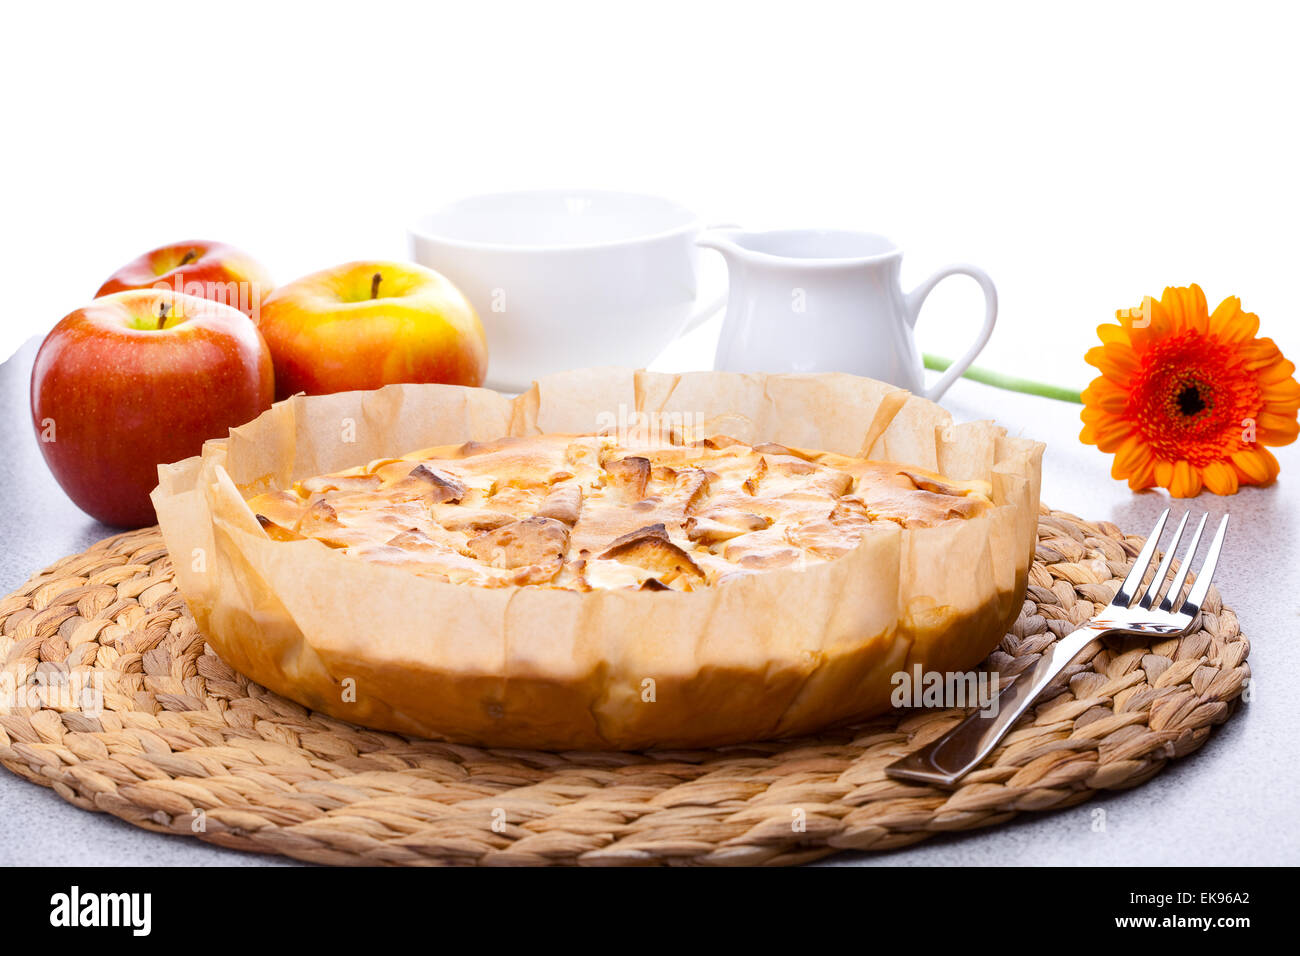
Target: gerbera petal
1260 353
1231 324
1285 392
1279 370
1266 360
1277 429
1131 456
1147 323
1164 471
1185 481
1111 433
1220 478
1186 307
1102 398
1110 402
1116 362
1091 413
1113 333
1255 466
1144 477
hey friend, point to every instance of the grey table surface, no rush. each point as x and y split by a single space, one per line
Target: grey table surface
1233 802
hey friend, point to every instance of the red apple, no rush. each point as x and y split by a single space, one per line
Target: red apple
210 270
368 324
137 379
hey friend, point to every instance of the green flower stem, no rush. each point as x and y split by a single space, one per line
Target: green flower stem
1009 382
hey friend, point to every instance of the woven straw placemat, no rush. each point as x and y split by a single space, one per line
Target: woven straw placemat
185 745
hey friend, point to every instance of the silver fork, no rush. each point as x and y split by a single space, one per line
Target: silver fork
946 760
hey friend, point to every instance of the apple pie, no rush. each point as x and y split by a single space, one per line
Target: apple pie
541 576
585 511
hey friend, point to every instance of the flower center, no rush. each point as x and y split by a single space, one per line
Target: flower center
1189 400
1190 397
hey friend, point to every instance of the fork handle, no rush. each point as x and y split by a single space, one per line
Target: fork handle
945 761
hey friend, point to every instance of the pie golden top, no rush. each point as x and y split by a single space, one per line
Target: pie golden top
584 511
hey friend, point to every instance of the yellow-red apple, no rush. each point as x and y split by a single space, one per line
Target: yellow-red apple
137 379
368 324
209 270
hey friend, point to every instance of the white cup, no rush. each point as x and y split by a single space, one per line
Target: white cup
568 278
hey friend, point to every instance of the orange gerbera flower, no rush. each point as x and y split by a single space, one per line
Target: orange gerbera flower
1188 398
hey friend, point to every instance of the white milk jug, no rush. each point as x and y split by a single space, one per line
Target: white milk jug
810 300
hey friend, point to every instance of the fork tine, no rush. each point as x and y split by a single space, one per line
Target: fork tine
1158 580
1176 587
1124 596
1196 596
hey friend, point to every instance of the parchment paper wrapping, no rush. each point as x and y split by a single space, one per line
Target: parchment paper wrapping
770 654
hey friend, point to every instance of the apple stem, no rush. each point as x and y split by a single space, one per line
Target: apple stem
189 257
162 315
374 285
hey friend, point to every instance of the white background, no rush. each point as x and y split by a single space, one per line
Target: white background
1083 156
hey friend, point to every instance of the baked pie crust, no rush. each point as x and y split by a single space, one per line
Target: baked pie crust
643 560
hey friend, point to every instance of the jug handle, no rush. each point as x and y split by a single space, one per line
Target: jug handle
719 302
916 298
